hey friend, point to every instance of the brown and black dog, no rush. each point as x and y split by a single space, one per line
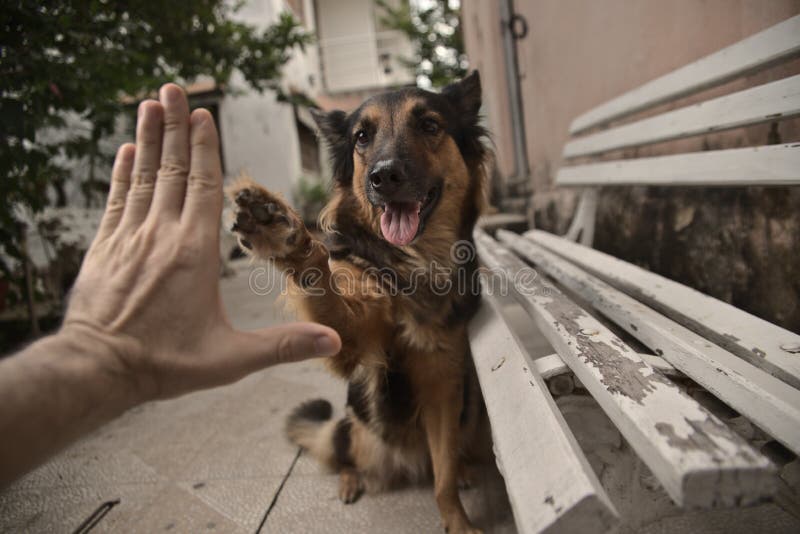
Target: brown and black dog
397 279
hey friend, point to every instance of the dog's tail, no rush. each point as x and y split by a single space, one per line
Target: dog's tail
310 426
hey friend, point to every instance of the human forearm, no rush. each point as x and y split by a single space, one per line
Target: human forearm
56 390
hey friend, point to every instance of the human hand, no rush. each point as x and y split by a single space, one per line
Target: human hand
147 297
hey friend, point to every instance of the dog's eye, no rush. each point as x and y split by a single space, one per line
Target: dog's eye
430 126
362 138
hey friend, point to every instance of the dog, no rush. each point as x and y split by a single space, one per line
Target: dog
396 278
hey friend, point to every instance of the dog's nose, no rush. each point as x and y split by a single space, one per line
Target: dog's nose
387 176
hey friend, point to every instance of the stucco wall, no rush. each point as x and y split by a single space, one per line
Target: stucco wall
259 135
483 41
738 244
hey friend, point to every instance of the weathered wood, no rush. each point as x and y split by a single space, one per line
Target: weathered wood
759 342
550 484
583 221
765 165
764 48
768 102
552 365
769 403
699 461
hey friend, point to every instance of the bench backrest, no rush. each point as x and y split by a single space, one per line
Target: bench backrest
765 165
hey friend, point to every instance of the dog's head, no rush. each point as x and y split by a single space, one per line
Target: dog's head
409 160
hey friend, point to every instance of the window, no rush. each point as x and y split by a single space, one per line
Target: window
309 148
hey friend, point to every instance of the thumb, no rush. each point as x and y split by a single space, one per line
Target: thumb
287 343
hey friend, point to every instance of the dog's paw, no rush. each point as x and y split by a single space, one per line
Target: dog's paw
457 523
265 225
350 486
462 528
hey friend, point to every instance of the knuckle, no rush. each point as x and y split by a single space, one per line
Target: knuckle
173 168
122 179
143 179
174 123
115 206
203 181
148 144
140 193
285 350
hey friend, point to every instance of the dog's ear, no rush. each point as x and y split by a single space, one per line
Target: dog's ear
465 95
334 127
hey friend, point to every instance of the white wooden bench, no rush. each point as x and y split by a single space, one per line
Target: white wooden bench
748 363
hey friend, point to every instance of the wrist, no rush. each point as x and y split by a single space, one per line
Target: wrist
101 359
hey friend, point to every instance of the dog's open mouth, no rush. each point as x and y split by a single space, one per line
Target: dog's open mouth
401 222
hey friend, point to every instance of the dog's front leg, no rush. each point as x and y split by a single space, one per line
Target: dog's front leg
268 228
441 409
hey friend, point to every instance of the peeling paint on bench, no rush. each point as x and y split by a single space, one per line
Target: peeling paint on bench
550 484
768 402
638 399
755 340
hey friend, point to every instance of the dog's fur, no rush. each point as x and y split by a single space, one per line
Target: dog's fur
413 401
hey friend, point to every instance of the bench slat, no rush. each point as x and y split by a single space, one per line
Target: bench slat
766 47
699 461
765 165
550 484
552 365
761 343
768 402
768 102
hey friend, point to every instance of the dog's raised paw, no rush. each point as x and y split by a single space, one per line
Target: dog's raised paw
264 224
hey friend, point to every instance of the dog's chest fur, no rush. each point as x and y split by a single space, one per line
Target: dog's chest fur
427 342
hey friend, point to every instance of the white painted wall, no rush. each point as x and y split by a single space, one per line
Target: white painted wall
259 135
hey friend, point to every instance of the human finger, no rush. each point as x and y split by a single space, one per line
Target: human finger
203 204
145 165
170 186
120 183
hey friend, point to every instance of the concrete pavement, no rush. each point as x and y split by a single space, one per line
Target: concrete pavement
218 461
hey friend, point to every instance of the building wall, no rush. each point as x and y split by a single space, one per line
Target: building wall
357 52
734 243
259 135
580 53
483 41
259 138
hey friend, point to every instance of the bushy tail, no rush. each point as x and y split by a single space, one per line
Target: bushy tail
310 426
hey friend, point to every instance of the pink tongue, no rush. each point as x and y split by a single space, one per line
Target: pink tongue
399 222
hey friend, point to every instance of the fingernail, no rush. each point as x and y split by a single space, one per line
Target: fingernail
198 117
326 346
170 94
125 153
